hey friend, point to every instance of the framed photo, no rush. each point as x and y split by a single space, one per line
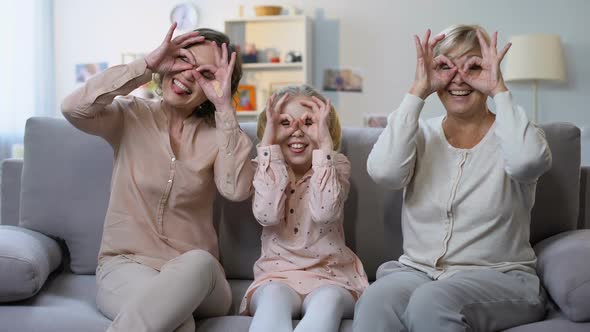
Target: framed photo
375 120
275 86
84 71
246 98
348 80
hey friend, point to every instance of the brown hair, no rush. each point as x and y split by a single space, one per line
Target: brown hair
304 91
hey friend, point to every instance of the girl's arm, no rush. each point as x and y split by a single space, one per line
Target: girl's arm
270 182
329 186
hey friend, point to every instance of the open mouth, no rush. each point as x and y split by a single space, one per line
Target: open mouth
297 147
460 93
180 88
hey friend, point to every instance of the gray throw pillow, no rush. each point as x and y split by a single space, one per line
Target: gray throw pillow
563 267
26 259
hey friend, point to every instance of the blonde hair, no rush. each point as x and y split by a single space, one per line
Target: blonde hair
460 38
304 91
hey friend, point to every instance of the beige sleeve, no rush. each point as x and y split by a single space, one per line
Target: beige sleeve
93 108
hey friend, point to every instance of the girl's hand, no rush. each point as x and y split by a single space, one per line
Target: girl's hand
316 124
215 80
273 133
171 55
432 74
484 74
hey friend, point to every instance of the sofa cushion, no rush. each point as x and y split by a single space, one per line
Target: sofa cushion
65 187
558 191
66 303
26 259
554 322
563 268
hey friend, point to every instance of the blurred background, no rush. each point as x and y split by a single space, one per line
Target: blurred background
358 53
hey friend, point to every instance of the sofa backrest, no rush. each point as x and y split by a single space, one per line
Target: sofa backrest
66 180
557 202
65 187
372 220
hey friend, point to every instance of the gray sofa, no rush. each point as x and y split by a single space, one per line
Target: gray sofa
48 250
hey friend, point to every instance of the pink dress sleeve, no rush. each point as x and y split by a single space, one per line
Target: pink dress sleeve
329 186
270 181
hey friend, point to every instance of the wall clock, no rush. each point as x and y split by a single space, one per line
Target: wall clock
186 15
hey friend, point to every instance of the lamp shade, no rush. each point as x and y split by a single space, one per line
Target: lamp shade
535 57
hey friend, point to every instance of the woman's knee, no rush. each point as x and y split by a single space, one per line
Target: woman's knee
194 263
427 304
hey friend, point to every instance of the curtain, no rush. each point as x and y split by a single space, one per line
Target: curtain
27 84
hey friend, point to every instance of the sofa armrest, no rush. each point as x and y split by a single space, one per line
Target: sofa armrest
10 191
564 269
26 260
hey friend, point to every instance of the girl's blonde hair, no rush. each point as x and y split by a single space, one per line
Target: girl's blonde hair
304 91
460 38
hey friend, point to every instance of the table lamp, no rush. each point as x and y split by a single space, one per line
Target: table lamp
534 57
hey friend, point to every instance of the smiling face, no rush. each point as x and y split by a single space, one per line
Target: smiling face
458 97
297 148
180 89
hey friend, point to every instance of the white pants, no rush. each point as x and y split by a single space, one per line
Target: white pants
275 304
139 298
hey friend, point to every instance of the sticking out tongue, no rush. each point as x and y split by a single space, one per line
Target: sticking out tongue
179 88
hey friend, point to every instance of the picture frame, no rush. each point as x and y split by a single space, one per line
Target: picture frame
85 71
246 98
375 120
345 80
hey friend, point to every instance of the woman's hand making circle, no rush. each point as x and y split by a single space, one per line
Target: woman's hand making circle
432 74
484 74
171 55
215 80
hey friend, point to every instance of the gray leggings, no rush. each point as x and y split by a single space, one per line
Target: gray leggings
275 304
406 299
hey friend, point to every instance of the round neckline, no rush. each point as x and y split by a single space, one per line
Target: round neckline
475 147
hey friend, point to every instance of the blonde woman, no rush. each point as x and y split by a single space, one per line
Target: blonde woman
469 181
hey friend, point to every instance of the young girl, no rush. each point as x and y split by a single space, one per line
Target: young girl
301 184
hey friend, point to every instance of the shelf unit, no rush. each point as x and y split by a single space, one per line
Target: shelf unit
281 34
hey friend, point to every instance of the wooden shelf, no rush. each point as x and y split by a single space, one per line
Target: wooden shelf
247 113
267 18
273 66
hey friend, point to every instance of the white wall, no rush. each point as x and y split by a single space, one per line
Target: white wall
374 36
